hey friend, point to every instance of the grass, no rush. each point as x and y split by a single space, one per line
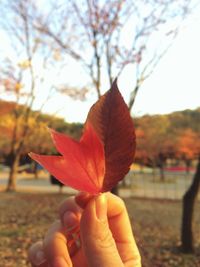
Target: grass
24 218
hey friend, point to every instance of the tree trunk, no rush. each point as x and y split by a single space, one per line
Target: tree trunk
188 212
154 170
35 170
161 164
11 187
188 164
162 173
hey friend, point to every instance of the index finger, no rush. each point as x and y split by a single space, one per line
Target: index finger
55 247
120 227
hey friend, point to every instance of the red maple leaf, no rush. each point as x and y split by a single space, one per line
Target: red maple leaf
104 153
81 164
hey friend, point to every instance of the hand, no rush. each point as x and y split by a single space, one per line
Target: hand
106 238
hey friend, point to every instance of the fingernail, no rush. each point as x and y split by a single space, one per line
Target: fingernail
59 262
70 220
101 207
39 258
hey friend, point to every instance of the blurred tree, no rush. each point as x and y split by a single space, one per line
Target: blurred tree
23 73
38 139
185 119
6 107
160 135
141 152
5 132
94 34
153 143
188 146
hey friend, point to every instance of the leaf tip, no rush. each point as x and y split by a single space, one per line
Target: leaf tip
51 131
53 135
32 156
114 84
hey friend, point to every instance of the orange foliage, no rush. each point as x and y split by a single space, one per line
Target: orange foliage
6 107
188 143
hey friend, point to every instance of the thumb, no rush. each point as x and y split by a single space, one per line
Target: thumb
98 244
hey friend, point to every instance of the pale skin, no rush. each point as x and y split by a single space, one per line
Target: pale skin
106 238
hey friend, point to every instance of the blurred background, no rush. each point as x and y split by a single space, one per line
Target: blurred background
57 59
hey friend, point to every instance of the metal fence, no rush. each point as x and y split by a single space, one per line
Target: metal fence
149 185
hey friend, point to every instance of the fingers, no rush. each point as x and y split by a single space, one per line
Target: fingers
69 205
77 204
105 231
36 255
97 241
55 242
53 251
119 225
116 211
56 251
55 247
70 215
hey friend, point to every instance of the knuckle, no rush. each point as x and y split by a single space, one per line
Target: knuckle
64 204
117 201
104 238
122 203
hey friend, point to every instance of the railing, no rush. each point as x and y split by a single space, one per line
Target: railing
149 185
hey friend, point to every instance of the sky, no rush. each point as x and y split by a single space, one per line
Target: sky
175 83
173 86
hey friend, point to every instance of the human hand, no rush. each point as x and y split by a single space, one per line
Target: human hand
106 237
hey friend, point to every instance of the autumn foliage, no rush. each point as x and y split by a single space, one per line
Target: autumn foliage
174 136
38 139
